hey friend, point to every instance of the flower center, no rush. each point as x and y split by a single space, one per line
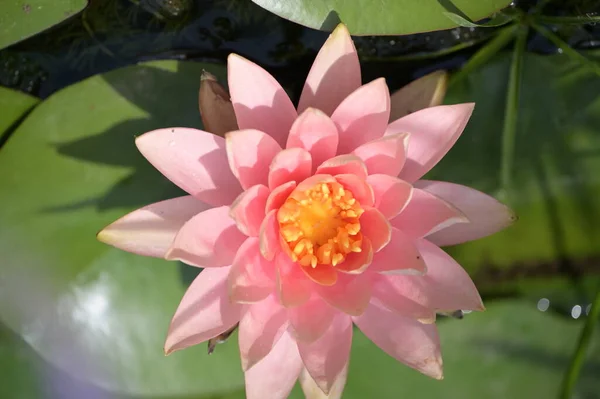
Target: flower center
321 225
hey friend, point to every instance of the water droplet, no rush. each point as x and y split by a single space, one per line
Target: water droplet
588 308
576 312
543 304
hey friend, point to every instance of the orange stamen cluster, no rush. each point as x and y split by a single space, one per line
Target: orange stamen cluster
321 225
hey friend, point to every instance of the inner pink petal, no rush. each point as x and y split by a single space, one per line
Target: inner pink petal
343 164
310 320
292 164
350 294
386 155
250 153
293 285
197 245
362 116
376 228
248 210
316 133
400 255
252 277
391 194
278 195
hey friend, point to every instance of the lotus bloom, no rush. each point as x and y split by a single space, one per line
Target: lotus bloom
310 219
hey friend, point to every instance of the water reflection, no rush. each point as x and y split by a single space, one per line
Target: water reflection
576 311
543 304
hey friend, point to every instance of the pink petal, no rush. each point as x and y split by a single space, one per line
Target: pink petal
335 73
259 100
391 194
433 132
312 391
269 236
194 160
357 262
293 286
393 299
342 165
359 188
400 255
312 181
252 277
250 153
415 344
150 230
261 326
204 312
386 155
275 375
279 195
486 215
209 239
350 293
362 116
425 214
376 228
323 275
327 358
216 109
248 210
445 287
309 321
293 164
316 133
427 91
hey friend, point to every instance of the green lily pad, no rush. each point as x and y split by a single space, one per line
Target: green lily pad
68 170
555 179
383 17
21 19
14 105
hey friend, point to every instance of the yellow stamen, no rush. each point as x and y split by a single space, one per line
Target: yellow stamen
321 225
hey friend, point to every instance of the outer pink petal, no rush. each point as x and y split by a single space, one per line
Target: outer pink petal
259 100
327 358
433 132
316 133
486 215
252 277
350 293
343 164
293 164
335 73
393 299
204 312
312 391
362 116
359 187
209 239
262 324
413 343
293 286
375 226
275 375
427 91
309 321
391 194
279 195
150 230
386 155
194 160
248 210
425 214
250 153
445 287
269 236
399 256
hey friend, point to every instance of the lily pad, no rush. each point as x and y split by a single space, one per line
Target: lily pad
68 170
21 19
383 17
555 171
14 105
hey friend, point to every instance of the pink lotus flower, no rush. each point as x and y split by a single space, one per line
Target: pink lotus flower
316 219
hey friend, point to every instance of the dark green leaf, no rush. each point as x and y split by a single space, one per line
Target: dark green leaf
14 105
